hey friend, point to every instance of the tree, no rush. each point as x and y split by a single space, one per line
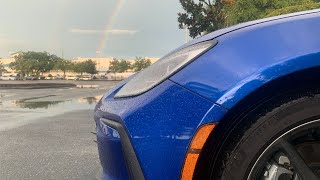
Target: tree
79 68
140 63
123 66
34 62
119 66
248 10
90 67
63 65
113 66
85 67
296 8
203 16
2 69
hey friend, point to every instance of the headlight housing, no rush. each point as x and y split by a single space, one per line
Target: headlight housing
164 68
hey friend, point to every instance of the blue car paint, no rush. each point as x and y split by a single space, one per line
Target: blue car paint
152 120
161 122
114 166
248 58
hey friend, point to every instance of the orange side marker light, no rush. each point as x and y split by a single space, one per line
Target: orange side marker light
194 150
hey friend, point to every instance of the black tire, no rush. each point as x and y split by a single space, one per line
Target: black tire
256 130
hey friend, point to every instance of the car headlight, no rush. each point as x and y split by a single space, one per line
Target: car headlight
163 68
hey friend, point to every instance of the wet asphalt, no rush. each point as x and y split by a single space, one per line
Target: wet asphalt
46 133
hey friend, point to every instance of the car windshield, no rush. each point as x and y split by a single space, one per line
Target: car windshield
58 58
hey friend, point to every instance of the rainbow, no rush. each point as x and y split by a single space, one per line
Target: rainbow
110 24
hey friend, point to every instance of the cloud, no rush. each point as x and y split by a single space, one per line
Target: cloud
98 32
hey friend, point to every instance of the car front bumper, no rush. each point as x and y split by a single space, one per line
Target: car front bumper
147 136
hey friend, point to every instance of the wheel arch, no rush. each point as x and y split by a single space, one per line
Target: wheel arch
298 68
297 76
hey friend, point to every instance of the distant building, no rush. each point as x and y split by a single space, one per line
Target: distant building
6 63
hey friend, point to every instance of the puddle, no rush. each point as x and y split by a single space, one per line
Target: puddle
91 100
37 104
33 98
22 107
14 114
29 103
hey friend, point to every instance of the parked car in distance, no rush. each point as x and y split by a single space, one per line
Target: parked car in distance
85 78
49 77
72 78
31 78
8 77
41 77
59 77
102 77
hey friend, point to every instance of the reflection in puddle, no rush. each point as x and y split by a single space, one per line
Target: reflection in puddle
90 100
19 112
33 98
37 104
26 103
29 103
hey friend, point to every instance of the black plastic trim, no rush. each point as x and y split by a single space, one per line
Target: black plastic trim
130 157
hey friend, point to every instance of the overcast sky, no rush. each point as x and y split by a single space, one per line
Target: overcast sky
80 28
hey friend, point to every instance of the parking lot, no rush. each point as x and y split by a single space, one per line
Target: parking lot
46 133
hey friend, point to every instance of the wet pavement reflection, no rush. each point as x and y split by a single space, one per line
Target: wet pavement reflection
29 103
46 133
16 112
34 105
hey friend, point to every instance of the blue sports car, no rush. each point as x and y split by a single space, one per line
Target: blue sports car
239 103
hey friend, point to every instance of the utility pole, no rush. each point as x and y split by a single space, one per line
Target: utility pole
99 60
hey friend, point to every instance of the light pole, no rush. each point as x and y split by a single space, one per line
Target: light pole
99 60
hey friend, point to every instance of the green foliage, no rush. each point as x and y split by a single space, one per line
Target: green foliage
34 62
248 10
90 67
113 67
2 69
78 68
296 8
85 67
204 16
119 66
124 66
140 63
63 65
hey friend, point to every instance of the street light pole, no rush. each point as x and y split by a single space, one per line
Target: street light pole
99 60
